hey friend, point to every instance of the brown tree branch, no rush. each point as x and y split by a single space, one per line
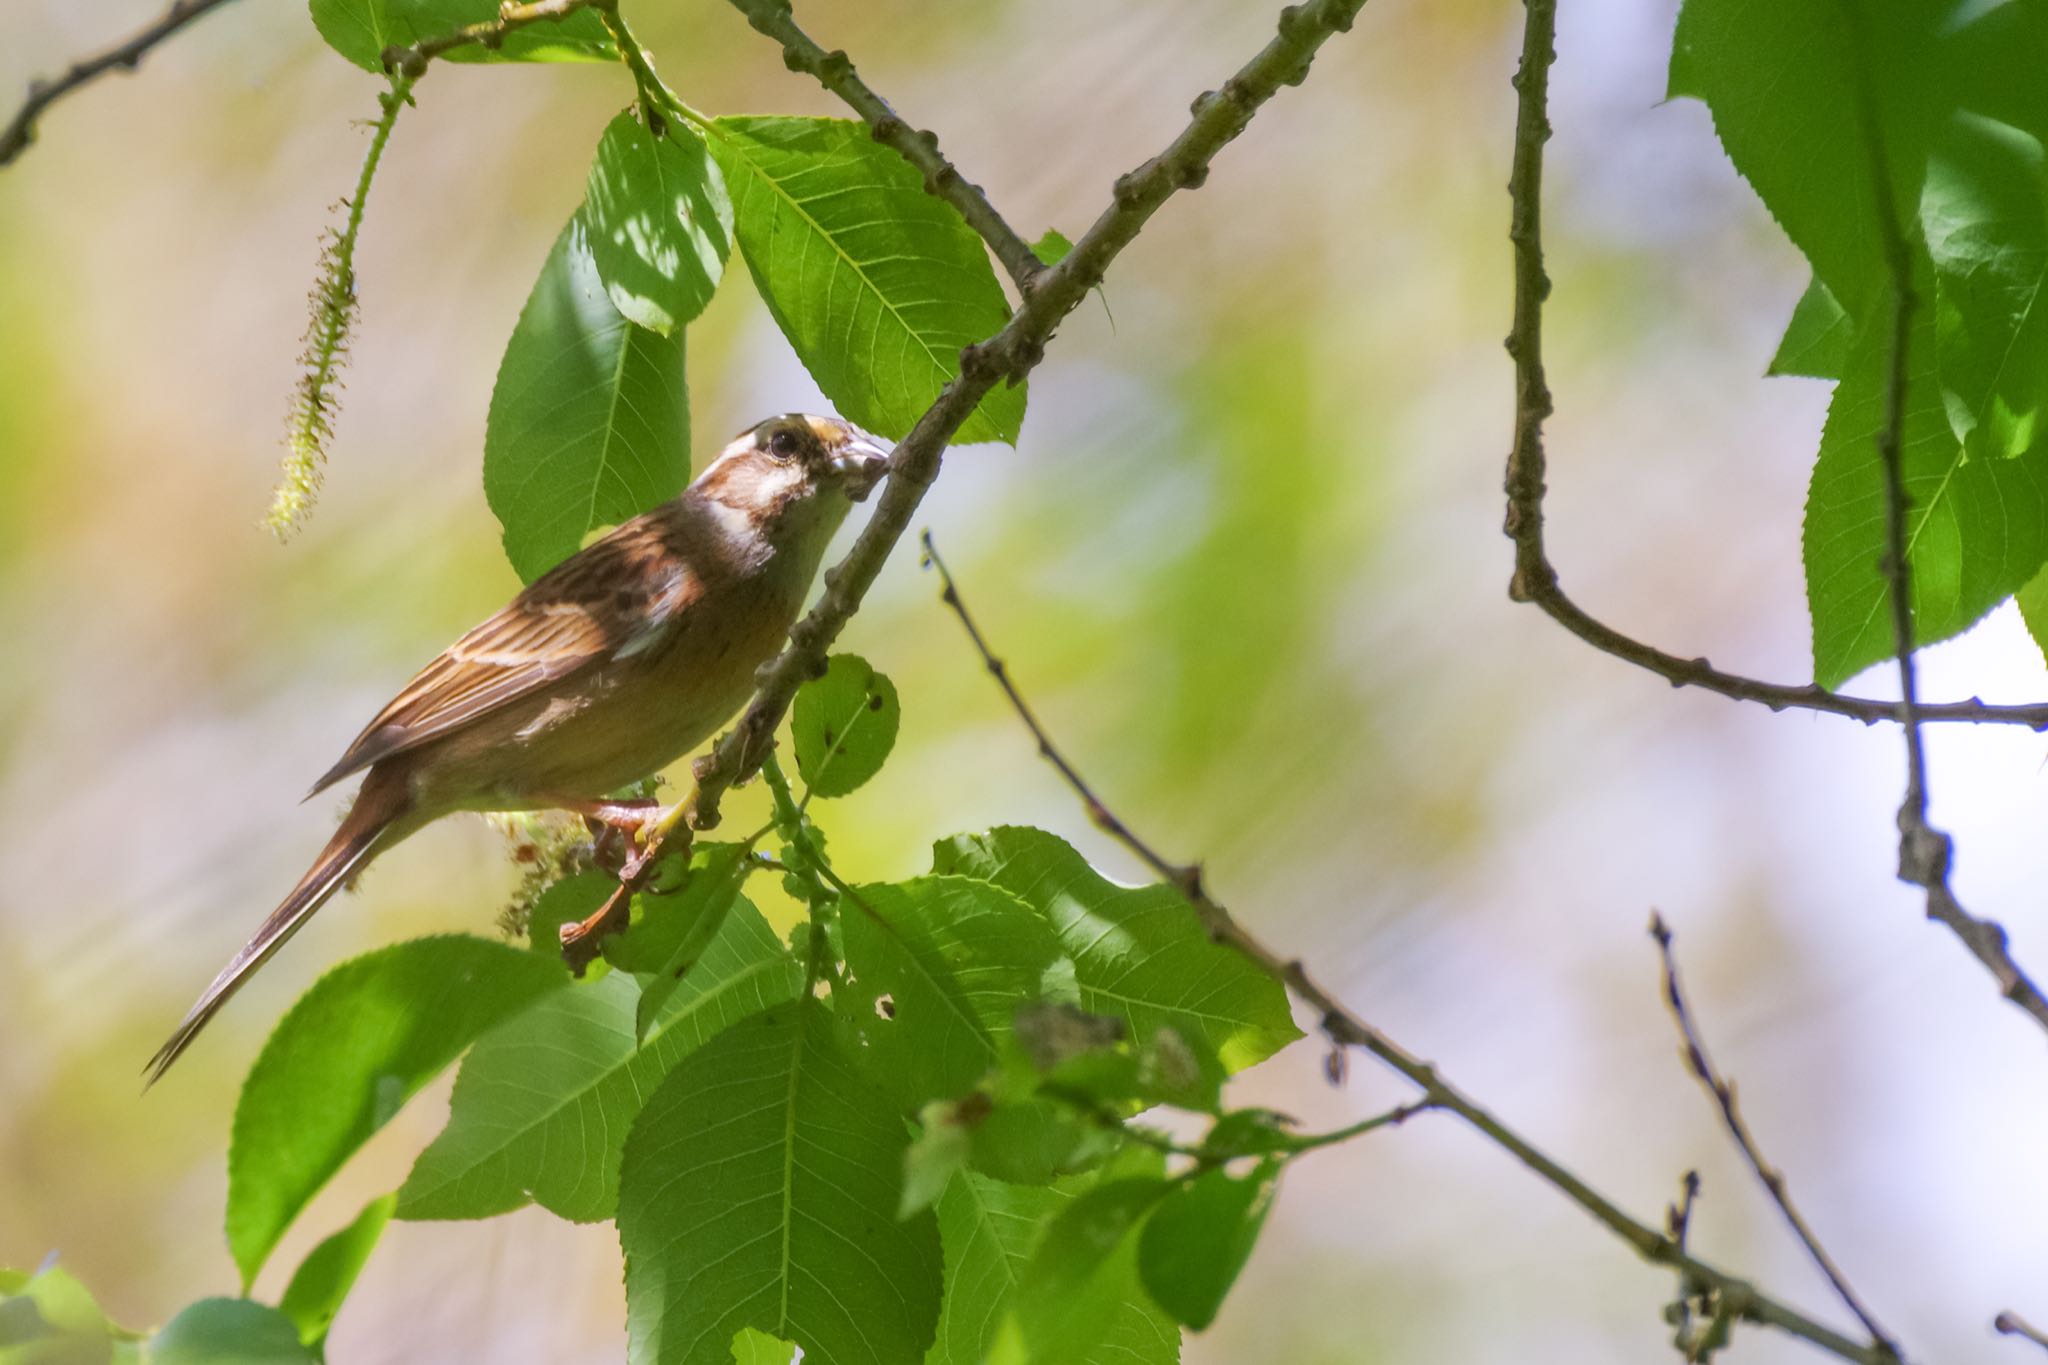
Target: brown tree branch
920 148
2011 1324
20 130
1730 1295
1723 1092
1924 852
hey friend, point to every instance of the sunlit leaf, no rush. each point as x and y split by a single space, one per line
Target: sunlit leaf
1977 529
990 1230
658 222
1082 1276
1816 340
844 725
877 284
347 1056
590 416
759 1189
1139 952
750 1347
544 1101
360 30
323 1279
675 930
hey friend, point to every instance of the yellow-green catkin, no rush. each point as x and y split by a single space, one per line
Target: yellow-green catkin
309 426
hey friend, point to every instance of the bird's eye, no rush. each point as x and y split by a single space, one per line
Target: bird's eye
783 445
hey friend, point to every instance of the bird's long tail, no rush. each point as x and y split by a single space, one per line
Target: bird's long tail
373 824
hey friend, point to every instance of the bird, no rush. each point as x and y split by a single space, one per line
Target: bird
603 671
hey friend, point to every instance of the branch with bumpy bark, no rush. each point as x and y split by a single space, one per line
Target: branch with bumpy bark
123 56
835 71
1723 1296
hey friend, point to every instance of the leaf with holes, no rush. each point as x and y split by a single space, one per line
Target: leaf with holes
1139 952
544 1101
590 416
347 1056
759 1189
658 222
955 957
360 30
844 725
877 284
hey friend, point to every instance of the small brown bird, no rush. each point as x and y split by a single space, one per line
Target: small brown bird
611 666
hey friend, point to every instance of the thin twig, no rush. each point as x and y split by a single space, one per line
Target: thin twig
123 56
920 148
2011 1324
1219 116
1924 851
1723 1092
1735 1296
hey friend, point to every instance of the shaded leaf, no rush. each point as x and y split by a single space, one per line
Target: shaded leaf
658 222
1139 952
844 725
759 1189
323 1279
50 1318
955 957
877 285
1199 1238
544 1101
347 1056
229 1332
675 929
590 415
990 1230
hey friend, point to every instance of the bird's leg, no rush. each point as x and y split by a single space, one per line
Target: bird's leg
628 817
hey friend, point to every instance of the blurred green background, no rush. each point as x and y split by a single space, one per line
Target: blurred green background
1246 561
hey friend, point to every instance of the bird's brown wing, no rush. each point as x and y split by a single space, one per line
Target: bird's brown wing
610 599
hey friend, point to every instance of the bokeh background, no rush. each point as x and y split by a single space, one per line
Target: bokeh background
1247 560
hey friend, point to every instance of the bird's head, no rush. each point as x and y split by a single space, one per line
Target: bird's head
794 474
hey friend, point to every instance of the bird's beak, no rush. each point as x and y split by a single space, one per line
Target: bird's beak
860 464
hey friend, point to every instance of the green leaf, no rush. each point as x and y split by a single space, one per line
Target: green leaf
360 30
1069 1295
1139 952
568 901
1976 530
323 1279
955 957
347 1056
49 1318
675 930
229 1332
544 1101
938 1153
1052 247
990 1230
750 1347
590 416
1816 341
1199 1238
1785 81
877 285
844 725
1985 215
658 221
759 1189
2033 604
